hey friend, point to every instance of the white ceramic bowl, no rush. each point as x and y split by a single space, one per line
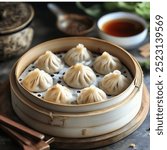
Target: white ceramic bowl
128 42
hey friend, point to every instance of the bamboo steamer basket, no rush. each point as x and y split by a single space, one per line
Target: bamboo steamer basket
95 45
77 121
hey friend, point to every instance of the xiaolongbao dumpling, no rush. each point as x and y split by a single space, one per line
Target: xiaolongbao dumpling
79 76
91 94
37 81
106 63
59 94
78 54
114 83
49 62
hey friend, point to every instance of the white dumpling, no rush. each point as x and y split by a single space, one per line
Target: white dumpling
106 63
79 76
59 94
37 81
78 54
114 83
90 95
49 62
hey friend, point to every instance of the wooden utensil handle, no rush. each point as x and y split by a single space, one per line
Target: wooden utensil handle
10 123
16 136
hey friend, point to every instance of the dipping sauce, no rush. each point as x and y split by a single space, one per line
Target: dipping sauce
122 27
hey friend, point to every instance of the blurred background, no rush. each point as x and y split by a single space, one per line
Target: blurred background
44 26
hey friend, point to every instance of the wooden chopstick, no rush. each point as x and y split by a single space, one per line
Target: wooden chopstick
21 128
16 136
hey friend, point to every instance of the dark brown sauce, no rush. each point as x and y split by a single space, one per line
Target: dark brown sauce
122 27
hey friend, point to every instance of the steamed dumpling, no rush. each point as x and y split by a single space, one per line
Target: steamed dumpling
37 81
79 76
114 83
106 63
49 62
91 94
78 54
59 94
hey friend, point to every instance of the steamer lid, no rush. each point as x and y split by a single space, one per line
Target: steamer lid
14 16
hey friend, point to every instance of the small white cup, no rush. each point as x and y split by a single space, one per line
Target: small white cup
128 42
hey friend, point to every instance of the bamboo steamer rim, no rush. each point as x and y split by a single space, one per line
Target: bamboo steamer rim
137 80
49 113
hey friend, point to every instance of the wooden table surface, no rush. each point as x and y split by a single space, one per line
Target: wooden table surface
45 29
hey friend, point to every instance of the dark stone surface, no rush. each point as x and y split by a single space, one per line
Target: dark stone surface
45 29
